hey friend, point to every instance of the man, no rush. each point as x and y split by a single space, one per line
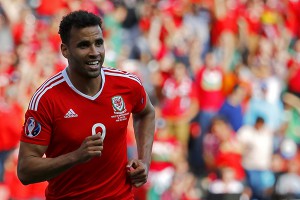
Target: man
78 119
257 153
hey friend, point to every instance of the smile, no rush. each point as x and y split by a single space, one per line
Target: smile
93 63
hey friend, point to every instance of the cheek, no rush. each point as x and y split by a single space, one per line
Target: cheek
77 56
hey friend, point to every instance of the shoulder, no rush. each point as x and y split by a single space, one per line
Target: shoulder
123 76
45 89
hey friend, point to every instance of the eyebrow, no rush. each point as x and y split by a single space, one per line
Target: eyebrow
84 42
87 42
99 40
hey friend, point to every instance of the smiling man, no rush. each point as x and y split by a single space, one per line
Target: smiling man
78 118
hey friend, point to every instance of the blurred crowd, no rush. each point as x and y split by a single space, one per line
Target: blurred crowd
223 75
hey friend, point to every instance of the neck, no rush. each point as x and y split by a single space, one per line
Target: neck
86 85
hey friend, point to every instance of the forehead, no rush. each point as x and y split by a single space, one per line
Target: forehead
88 33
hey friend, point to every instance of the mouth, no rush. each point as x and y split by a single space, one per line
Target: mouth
93 64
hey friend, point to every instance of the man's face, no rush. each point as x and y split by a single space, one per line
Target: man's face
85 51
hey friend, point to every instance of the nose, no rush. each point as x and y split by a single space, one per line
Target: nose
95 50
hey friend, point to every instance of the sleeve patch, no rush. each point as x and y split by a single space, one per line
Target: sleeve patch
32 127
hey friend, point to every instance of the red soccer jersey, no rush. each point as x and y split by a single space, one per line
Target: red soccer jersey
178 97
210 87
61 117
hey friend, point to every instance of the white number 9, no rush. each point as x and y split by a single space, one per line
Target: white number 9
103 133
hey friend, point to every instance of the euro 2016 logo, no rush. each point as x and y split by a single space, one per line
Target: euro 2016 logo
32 127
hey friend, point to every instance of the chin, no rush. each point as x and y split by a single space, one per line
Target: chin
94 74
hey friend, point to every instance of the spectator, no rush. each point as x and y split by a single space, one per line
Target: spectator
113 32
6 39
225 184
165 154
209 83
179 104
10 122
260 106
293 73
288 184
291 122
257 144
225 29
233 108
250 24
222 149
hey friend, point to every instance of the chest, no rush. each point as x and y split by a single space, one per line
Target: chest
76 117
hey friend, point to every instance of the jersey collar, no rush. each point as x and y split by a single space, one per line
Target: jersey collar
66 77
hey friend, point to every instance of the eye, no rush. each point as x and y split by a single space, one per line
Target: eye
83 45
99 43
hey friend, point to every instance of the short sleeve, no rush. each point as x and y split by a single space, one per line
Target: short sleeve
140 98
37 126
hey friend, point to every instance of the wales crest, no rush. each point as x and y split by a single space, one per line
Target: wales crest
118 103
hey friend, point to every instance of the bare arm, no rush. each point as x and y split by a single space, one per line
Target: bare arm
33 167
144 125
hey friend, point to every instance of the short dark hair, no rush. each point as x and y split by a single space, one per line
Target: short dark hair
77 19
260 119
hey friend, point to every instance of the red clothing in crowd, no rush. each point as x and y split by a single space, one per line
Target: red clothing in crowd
232 160
292 17
223 156
163 148
178 97
227 23
11 119
210 87
293 81
253 22
49 8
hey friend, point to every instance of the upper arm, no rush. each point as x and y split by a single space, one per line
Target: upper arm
31 150
148 109
27 152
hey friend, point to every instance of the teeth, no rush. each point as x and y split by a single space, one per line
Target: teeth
93 63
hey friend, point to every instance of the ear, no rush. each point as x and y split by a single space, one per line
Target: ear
64 50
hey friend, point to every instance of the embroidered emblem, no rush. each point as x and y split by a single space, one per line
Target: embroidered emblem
118 103
120 112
